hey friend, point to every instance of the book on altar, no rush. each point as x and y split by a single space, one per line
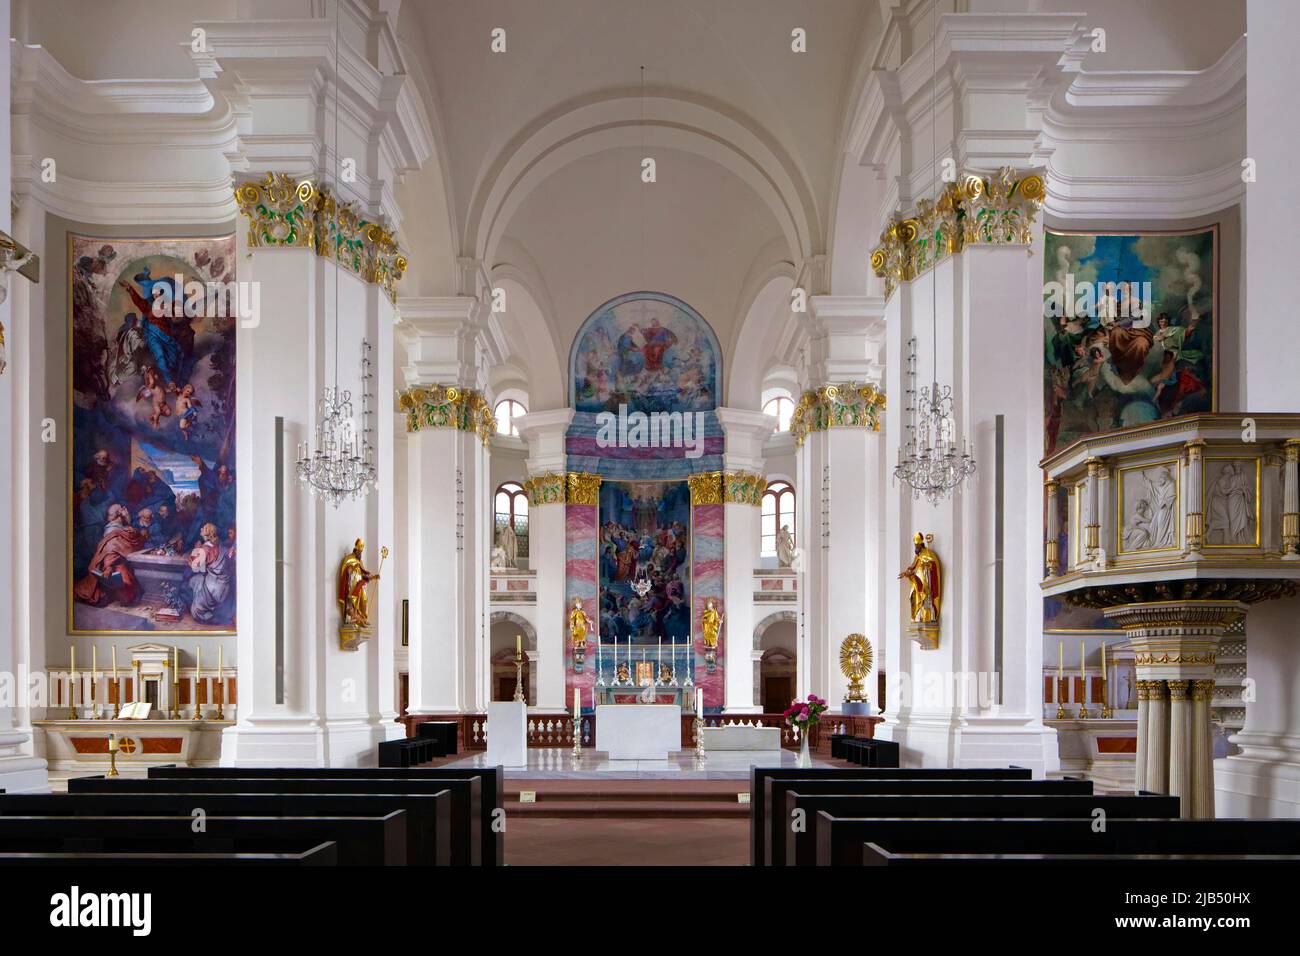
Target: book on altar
136 710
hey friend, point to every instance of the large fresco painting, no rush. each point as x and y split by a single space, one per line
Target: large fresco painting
1129 330
645 537
647 351
1130 336
152 461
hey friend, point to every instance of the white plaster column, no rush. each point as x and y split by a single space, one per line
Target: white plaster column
837 494
20 770
963 703
746 432
547 537
336 704
448 508
1181 757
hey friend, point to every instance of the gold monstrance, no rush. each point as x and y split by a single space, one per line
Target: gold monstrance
855 662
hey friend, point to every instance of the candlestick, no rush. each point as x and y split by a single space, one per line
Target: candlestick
519 643
198 677
72 684
1060 680
112 755
1083 679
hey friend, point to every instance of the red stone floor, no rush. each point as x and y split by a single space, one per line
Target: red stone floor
617 841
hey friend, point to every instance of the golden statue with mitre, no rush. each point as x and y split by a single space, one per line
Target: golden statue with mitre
925 576
578 624
353 598
711 622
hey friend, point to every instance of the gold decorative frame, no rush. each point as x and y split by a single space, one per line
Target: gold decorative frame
1175 466
67 487
1259 487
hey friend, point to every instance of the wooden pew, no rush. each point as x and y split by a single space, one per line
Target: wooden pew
324 854
428 815
759 823
871 782
361 841
801 848
873 855
405 752
466 802
492 790
868 752
444 734
840 840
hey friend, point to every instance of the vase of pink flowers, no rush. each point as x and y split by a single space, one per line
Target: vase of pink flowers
802 715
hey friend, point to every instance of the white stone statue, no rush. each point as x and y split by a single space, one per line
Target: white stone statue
498 558
785 546
509 544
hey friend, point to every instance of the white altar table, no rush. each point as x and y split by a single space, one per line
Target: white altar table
639 731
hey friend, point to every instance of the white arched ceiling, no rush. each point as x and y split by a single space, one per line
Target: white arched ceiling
670 123
534 348
595 232
766 337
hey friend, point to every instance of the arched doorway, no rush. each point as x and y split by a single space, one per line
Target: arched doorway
503 628
775 661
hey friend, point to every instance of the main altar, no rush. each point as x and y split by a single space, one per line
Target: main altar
639 732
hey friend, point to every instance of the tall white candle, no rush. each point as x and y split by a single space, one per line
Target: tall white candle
699 702
577 702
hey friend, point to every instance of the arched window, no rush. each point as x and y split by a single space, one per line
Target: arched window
506 412
778 510
783 408
511 508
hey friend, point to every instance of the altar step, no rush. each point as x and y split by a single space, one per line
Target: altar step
626 799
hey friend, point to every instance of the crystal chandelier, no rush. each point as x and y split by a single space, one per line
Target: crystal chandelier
928 463
343 464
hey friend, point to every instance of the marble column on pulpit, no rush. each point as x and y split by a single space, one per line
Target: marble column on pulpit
545 433
1202 782
1143 725
1157 738
743 483
1181 756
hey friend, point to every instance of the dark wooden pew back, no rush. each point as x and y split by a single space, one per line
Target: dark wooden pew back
324 854
360 841
774 796
840 840
492 789
466 835
758 775
428 815
801 847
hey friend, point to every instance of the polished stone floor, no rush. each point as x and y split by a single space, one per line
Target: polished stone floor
556 763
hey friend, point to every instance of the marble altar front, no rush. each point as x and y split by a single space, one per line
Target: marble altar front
639 731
